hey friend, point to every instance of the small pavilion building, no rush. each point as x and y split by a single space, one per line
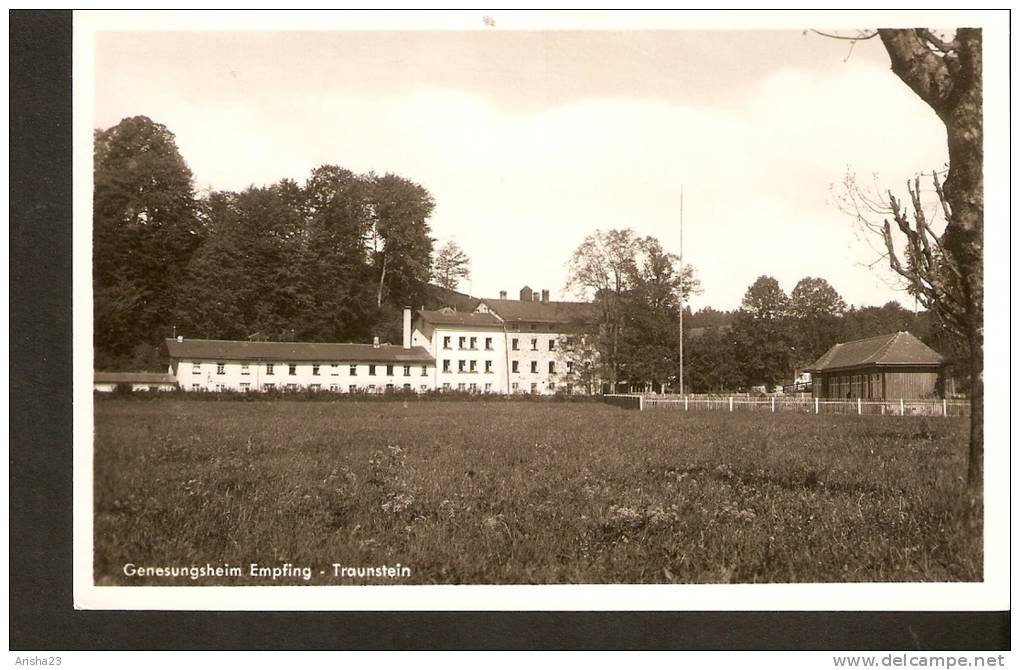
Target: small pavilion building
886 367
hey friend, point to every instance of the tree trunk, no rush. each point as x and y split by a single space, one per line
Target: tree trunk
948 77
382 279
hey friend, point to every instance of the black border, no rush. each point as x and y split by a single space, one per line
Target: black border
41 612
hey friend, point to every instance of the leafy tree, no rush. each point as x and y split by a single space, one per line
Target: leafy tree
816 310
401 245
760 332
145 229
451 266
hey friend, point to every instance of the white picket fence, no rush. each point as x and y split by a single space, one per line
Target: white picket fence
774 404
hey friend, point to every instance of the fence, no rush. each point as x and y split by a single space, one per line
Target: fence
773 404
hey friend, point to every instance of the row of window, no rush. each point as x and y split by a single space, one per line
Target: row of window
466 343
372 388
471 343
471 366
270 369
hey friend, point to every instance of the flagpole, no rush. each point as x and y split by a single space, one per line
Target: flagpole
681 289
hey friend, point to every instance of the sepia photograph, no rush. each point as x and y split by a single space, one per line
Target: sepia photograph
531 299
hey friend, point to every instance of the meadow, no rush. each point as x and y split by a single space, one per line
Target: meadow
529 492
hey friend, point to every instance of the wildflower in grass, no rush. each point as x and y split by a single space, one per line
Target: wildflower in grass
397 502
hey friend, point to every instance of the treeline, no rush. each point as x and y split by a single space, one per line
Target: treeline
773 335
333 259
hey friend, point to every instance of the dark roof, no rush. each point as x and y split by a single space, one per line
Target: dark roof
435 297
894 349
295 351
133 378
540 312
446 317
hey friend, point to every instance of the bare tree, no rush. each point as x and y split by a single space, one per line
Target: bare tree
944 270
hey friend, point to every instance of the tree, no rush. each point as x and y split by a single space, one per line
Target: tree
760 332
401 245
635 288
451 266
816 310
945 270
145 229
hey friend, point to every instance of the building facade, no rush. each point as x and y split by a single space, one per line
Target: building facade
886 367
493 346
107 382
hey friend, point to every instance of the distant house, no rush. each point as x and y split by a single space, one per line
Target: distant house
107 382
886 367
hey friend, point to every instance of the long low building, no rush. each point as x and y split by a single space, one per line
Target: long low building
107 382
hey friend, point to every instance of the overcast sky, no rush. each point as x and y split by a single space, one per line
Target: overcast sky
531 140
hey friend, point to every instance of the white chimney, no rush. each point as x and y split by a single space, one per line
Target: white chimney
502 295
407 327
375 341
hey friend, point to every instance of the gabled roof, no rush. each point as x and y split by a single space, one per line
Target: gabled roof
133 378
900 348
537 311
295 351
448 317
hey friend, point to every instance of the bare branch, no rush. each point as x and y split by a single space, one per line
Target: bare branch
862 35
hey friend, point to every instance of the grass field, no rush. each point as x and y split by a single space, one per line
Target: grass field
527 492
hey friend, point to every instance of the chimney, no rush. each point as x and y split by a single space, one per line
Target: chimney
407 327
502 295
545 295
526 294
375 341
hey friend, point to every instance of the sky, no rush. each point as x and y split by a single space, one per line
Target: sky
531 140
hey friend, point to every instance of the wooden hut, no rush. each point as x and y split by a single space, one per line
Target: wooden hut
886 367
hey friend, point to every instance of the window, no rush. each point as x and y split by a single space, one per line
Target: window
221 369
244 368
460 366
371 373
195 387
315 387
552 367
389 387
291 369
268 387
446 342
473 365
534 366
461 341
196 368
488 367
513 344
389 370
219 388
534 387
552 386
472 387
424 370
533 326
407 388
354 370
407 370
570 389
474 342
269 369
352 388
514 387
514 366
335 388
315 369
570 367
460 386
488 388
245 387
488 344
446 386
552 344
534 343
446 366
334 370
424 388
292 387
371 388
